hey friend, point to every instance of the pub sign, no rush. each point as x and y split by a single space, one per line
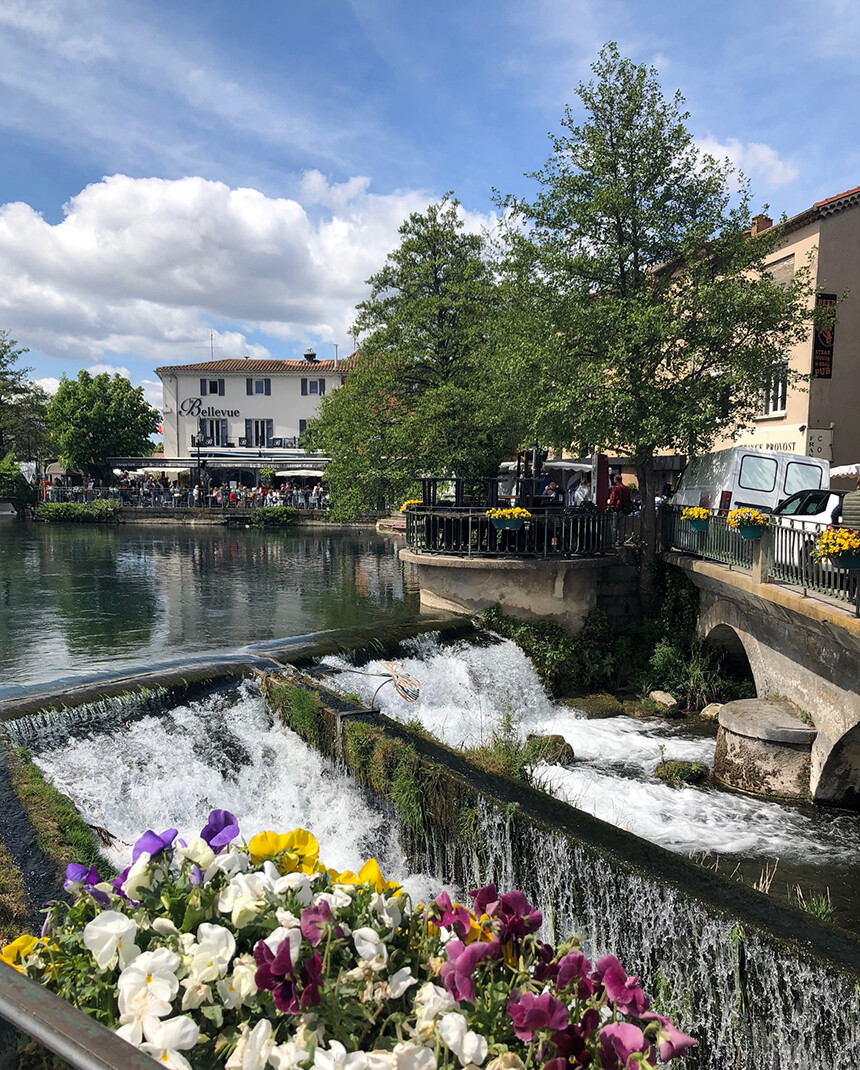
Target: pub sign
822 341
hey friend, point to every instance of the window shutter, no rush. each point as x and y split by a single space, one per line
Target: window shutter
268 387
322 386
304 386
224 435
249 386
220 388
249 431
303 426
203 388
201 426
270 430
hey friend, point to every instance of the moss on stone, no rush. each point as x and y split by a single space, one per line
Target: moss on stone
678 772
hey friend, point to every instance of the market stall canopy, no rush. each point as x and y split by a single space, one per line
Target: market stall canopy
845 470
564 466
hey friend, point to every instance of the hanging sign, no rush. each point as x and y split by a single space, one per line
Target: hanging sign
822 341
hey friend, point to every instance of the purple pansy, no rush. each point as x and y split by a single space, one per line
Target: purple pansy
486 900
456 918
78 876
573 970
518 917
153 843
531 1013
221 828
457 971
624 991
618 1042
314 920
275 974
671 1042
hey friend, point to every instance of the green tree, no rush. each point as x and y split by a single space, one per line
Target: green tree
645 318
13 486
421 396
13 383
96 417
26 425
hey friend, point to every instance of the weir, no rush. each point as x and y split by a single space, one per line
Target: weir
761 986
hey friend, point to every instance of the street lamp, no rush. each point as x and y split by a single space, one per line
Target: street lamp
196 442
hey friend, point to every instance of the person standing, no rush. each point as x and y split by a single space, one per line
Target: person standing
847 511
619 505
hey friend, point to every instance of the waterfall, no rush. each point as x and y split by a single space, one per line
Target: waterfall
55 727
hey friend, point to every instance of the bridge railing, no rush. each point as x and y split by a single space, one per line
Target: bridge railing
718 543
464 532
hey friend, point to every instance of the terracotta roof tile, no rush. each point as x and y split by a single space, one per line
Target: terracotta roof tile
252 366
837 197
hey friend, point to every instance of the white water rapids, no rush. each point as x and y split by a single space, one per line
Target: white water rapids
466 689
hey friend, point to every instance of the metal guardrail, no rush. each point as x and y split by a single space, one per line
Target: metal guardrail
145 499
83 1042
719 543
786 548
463 532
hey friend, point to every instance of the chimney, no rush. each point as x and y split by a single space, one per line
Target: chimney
760 224
310 356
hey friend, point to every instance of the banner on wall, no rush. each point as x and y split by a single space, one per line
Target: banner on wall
822 342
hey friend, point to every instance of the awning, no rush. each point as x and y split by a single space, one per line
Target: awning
845 470
300 472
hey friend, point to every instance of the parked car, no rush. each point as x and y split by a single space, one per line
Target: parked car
741 476
807 511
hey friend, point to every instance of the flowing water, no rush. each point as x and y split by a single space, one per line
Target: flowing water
467 688
81 601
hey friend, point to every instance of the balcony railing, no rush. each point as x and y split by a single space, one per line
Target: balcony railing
464 532
719 543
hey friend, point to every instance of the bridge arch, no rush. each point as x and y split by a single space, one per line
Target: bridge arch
722 627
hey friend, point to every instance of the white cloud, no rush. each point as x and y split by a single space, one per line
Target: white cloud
49 384
144 267
753 158
109 369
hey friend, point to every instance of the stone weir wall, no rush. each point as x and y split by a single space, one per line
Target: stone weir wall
761 986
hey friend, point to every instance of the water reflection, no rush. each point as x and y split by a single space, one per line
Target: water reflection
82 599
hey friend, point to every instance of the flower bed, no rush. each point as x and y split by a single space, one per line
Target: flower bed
834 543
218 953
695 512
746 518
513 512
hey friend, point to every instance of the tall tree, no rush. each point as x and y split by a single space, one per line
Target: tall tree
96 417
13 383
645 317
421 396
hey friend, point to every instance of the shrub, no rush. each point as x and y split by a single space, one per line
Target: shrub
273 516
100 511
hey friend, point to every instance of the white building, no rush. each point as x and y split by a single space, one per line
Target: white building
243 404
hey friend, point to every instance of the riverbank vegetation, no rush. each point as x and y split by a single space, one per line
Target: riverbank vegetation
273 516
99 511
660 651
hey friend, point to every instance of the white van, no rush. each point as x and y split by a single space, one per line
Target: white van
740 476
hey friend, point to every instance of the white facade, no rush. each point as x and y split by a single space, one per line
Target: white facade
243 404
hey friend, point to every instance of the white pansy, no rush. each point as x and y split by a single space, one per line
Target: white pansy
414 1057
110 938
197 851
468 1046
131 1032
370 947
164 927
507 1061
338 1058
278 936
141 876
258 1046
229 862
387 909
287 1056
242 898
148 984
434 1000
240 987
337 898
210 959
399 982
196 994
297 883
165 1040
381 1060
287 919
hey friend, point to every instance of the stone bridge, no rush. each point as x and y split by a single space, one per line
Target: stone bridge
803 649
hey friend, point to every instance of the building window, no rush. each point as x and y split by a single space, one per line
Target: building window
258 386
212 386
314 386
303 426
213 432
258 437
774 395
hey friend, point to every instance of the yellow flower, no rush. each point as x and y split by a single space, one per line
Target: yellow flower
20 948
370 873
411 501
741 518
293 851
514 512
695 512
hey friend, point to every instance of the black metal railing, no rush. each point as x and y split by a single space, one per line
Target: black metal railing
463 532
718 542
148 498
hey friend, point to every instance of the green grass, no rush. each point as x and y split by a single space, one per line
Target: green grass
61 832
14 913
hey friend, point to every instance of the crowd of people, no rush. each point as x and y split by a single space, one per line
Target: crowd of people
161 492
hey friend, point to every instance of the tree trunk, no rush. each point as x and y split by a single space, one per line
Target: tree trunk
647 491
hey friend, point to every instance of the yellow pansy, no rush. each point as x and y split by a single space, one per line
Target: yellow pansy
293 851
19 948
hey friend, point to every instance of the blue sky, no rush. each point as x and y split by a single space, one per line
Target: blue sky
175 168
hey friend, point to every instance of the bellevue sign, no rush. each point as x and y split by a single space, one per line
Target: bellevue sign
194 407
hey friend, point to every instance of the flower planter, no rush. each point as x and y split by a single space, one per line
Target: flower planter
750 531
504 523
699 525
847 559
